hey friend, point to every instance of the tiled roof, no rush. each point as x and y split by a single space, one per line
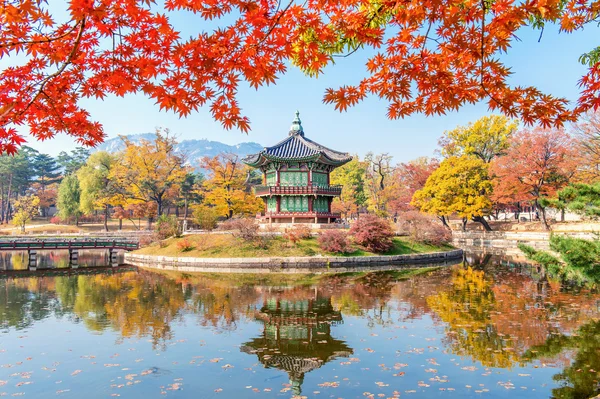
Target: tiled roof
298 147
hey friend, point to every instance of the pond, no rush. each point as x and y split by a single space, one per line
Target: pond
492 330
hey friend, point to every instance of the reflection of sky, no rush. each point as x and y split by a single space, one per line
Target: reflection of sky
551 65
417 343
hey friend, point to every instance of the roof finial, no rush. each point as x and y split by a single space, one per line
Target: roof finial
296 127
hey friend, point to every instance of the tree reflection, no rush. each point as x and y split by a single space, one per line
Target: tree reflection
581 378
297 334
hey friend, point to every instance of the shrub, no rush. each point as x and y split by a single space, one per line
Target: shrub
185 245
56 220
167 226
334 241
423 229
205 217
244 228
146 240
296 233
373 233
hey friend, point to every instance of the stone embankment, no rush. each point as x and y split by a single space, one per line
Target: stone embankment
508 240
312 264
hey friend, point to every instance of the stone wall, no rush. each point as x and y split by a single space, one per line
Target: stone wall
508 240
312 264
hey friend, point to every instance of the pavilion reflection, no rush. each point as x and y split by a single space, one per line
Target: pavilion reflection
296 335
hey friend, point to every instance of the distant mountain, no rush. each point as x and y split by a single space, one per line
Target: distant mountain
193 149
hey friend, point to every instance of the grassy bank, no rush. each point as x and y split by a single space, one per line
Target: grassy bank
228 246
285 279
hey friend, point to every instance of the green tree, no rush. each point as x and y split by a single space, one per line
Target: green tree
15 177
70 163
97 189
486 138
461 186
68 198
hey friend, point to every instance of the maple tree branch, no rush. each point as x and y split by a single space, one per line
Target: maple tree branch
46 40
60 70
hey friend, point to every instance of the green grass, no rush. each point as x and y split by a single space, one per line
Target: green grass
227 246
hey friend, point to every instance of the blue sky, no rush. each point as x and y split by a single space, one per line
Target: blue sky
551 65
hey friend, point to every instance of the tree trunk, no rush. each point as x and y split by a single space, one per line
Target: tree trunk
149 226
444 221
106 217
464 224
185 209
120 224
543 215
562 215
484 222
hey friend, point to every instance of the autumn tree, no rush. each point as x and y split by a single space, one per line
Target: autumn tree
538 163
26 208
377 181
226 186
461 186
68 198
486 138
98 191
407 178
587 134
150 171
429 58
352 177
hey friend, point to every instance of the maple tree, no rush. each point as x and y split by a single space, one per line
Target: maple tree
538 163
461 186
407 178
431 57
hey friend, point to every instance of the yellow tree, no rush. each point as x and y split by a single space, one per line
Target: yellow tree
486 138
26 208
227 186
352 177
461 186
149 171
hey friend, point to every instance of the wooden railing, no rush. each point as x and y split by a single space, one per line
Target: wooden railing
298 190
24 245
266 215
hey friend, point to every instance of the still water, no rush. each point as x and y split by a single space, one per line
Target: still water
483 331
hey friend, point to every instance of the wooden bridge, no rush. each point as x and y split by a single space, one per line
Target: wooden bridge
72 245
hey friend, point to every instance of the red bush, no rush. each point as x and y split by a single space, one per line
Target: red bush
334 241
373 233
296 233
185 245
56 220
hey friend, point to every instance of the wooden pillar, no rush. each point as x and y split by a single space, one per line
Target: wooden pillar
310 204
277 176
32 260
278 208
74 258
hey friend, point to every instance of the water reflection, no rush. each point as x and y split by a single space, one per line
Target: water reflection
55 259
490 315
296 334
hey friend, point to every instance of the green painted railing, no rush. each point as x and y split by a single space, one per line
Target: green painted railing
12 245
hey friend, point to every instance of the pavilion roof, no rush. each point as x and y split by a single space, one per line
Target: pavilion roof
296 147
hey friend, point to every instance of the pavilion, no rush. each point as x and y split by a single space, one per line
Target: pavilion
296 184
